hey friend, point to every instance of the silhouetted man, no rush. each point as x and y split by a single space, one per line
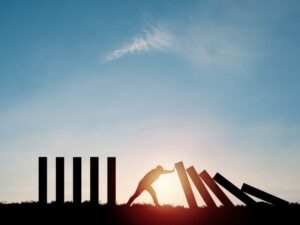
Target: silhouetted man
147 181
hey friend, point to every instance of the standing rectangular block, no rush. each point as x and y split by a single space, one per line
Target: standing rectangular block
94 180
77 180
201 187
233 189
111 181
60 180
43 180
264 195
186 185
215 188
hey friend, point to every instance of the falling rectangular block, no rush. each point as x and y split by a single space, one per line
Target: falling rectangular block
77 180
215 188
43 180
186 185
200 187
264 195
60 180
94 180
233 189
111 181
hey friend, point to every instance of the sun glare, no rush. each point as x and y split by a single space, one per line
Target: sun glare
169 190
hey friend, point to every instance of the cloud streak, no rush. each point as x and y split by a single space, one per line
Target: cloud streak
216 48
229 43
156 38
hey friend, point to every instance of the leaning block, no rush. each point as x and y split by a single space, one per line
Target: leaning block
233 189
215 188
264 195
186 185
200 187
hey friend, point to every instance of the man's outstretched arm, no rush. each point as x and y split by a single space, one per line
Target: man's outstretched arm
168 171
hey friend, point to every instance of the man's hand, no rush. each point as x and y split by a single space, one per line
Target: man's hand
169 171
173 169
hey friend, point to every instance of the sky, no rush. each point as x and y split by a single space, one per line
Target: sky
214 84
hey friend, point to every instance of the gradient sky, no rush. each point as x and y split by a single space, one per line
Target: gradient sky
212 83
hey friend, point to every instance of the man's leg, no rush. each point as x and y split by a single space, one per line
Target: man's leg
138 191
153 195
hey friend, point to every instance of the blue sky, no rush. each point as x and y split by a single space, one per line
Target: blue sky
213 83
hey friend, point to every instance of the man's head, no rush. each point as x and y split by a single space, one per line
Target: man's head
159 168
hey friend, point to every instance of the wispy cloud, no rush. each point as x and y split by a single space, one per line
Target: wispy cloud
226 43
216 48
155 38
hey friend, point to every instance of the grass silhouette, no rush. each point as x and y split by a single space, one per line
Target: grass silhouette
143 214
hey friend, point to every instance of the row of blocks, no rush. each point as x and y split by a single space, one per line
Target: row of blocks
77 180
212 184
197 179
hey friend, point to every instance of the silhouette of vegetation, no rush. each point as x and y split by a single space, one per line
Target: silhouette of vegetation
88 213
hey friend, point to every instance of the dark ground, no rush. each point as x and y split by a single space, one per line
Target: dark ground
33 213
